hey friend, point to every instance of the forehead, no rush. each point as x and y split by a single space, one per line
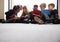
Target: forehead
50 6
35 7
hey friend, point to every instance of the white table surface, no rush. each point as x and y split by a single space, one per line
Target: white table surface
29 33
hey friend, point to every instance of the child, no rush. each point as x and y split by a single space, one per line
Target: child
45 12
11 15
51 8
25 15
54 13
36 14
25 12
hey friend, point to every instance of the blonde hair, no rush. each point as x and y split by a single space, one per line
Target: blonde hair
43 5
25 12
24 7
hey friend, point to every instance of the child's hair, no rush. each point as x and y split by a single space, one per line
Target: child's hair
43 4
52 5
17 7
23 14
35 5
24 7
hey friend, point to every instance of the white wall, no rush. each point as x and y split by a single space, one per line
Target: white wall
1 9
29 33
59 8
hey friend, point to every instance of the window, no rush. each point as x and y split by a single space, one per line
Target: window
30 3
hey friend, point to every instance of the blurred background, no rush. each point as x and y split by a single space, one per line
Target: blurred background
8 4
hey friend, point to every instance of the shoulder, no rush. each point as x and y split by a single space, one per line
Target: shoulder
46 10
55 11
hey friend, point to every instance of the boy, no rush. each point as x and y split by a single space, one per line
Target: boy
54 13
36 14
45 12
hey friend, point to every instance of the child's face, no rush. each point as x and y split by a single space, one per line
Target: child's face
41 7
18 10
35 8
24 9
50 7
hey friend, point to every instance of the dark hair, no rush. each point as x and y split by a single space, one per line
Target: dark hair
35 5
52 5
16 7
